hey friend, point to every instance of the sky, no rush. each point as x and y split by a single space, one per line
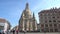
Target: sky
11 10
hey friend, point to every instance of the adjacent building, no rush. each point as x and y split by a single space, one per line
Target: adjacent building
27 22
49 20
14 28
4 25
38 27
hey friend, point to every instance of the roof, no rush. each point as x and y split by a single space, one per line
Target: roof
2 20
50 11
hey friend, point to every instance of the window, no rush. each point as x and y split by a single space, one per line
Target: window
40 14
42 30
59 13
57 17
45 17
53 17
50 21
51 30
45 21
54 20
25 26
50 25
41 17
41 21
58 21
59 26
46 30
49 17
50 13
55 25
42 25
53 14
38 30
1 27
46 13
46 25
56 30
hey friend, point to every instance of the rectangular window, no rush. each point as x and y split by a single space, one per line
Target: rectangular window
40 14
59 26
58 17
42 30
54 20
50 21
50 25
1 27
42 25
45 17
58 21
51 30
55 25
53 17
46 25
46 30
41 17
49 17
45 21
56 30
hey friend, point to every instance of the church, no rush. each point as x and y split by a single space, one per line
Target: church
27 21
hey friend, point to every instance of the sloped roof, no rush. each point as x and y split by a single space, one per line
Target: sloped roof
2 20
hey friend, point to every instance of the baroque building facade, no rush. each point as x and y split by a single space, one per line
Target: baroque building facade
50 20
27 22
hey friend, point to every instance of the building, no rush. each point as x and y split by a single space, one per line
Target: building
50 20
15 28
38 27
4 25
27 21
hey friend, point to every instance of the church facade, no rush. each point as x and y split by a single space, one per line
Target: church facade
27 22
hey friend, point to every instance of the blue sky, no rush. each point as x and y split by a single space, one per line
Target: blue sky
11 10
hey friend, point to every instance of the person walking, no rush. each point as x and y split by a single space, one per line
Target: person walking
14 31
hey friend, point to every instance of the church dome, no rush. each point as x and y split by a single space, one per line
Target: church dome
27 10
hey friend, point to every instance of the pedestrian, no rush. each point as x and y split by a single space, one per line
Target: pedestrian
9 32
16 31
